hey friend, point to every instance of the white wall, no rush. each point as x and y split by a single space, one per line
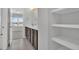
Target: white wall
0 31
30 17
5 27
27 17
43 29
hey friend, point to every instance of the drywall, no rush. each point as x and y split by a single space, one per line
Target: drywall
0 31
27 17
4 17
30 17
43 28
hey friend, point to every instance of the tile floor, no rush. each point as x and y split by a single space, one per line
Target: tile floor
21 44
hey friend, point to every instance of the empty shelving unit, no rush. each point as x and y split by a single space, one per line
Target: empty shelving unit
65 27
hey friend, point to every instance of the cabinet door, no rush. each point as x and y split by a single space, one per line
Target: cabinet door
36 39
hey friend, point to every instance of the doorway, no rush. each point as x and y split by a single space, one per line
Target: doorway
16 25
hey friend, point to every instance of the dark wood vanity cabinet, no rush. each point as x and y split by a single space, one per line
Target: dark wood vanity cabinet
32 36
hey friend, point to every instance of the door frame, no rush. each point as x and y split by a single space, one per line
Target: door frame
8 45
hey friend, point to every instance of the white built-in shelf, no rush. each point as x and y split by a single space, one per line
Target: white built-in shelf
65 18
65 43
65 26
65 10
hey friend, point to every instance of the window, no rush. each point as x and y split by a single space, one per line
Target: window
17 21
